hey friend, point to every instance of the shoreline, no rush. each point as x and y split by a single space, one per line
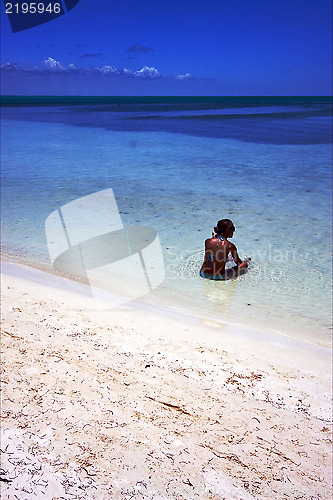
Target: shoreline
43 273
130 402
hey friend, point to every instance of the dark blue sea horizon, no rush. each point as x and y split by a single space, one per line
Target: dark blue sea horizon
272 120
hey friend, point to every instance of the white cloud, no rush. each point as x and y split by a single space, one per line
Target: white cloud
53 64
109 69
147 72
184 77
10 67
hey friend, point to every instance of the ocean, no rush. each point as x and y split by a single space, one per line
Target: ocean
179 165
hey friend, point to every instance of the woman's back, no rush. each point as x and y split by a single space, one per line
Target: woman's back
216 255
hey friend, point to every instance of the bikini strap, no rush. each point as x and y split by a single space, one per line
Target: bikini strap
219 238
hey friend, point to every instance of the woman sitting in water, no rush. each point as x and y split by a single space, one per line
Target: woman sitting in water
217 250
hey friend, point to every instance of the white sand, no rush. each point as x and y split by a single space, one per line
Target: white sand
133 403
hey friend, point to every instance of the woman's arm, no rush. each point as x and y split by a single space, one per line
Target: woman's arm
236 257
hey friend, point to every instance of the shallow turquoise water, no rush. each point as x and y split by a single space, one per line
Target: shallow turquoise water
179 182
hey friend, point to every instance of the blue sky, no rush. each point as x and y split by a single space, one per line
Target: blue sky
203 47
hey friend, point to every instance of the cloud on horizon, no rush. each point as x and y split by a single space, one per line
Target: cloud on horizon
187 76
52 66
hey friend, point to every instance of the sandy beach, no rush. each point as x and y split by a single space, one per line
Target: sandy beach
138 403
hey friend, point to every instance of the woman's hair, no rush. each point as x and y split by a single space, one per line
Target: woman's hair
222 226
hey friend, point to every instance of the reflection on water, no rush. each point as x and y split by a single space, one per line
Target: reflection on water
220 295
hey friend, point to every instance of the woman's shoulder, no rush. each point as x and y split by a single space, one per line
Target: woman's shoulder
210 241
231 245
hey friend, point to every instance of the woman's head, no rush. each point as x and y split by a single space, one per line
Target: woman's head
223 226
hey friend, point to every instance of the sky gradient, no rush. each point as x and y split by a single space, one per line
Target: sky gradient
126 47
